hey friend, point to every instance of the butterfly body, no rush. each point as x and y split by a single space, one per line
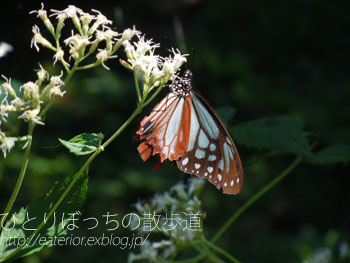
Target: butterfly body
184 128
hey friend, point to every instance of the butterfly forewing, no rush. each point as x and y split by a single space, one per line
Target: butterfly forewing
165 130
212 154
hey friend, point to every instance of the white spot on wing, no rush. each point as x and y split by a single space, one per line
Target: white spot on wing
232 182
212 158
210 169
205 174
228 140
212 147
185 161
237 180
219 177
197 165
230 152
221 164
199 154
225 184
227 157
203 141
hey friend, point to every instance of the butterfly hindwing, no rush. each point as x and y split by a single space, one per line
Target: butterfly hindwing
212 154
184 128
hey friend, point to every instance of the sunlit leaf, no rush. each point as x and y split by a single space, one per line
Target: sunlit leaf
84 143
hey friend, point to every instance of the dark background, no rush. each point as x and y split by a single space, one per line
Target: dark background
262 58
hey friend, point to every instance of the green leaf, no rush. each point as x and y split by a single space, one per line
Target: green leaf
226 114
15 231
84 143
279 134
337 153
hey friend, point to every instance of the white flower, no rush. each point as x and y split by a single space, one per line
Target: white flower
86 18
4 49
129 33
71 11
172 64
42 74
56 80
108 34
7 144
31 115
179 189
101 19
42 13
102 56
59 56
56 91
17 102
7 87
195 184
30 90
141 58
77 45
39 39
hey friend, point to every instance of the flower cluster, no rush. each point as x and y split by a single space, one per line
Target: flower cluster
181 199
91 37
27 102
154 69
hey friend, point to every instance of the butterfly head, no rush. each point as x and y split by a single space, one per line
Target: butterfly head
182 85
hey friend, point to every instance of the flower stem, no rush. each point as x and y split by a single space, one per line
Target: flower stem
20 177
76 178
254 198
220 251
52 101
137 86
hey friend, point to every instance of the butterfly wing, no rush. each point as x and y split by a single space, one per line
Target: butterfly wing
211 152
165 130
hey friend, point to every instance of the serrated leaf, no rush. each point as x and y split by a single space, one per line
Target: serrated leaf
280 134
15 231
84 143
226 114
337 153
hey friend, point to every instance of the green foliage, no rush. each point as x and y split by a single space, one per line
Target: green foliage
278 134
84 143
226 114
36 212
336 153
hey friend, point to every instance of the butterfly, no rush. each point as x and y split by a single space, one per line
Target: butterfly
184 128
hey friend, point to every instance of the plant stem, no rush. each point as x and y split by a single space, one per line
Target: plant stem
221 251
137 86
73 182
52 101
254 198
154 94
20 177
